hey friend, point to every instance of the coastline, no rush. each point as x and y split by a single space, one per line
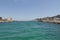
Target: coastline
1 21
6 19
54 19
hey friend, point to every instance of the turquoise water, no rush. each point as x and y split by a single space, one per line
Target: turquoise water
28 30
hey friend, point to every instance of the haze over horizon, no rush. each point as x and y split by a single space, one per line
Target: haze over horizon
29 9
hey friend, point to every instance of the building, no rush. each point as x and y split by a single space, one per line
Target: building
0 18
9 18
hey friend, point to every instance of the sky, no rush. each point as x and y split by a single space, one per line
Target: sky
29 9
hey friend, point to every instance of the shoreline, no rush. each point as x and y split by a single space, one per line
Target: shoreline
54 19
1 21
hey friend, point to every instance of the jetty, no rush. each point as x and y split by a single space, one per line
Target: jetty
54 19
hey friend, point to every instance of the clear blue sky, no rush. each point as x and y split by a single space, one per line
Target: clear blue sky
29 9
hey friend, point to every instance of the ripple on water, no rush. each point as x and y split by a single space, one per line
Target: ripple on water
26 30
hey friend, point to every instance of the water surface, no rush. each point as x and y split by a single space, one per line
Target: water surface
28 30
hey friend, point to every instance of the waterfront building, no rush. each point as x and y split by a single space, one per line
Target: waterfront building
9 19
0 18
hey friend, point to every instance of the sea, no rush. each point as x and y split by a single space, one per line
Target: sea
29 30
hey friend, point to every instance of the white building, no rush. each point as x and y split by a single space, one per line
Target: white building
9 19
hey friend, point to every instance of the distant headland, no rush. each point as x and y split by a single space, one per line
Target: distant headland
53 19
6 19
